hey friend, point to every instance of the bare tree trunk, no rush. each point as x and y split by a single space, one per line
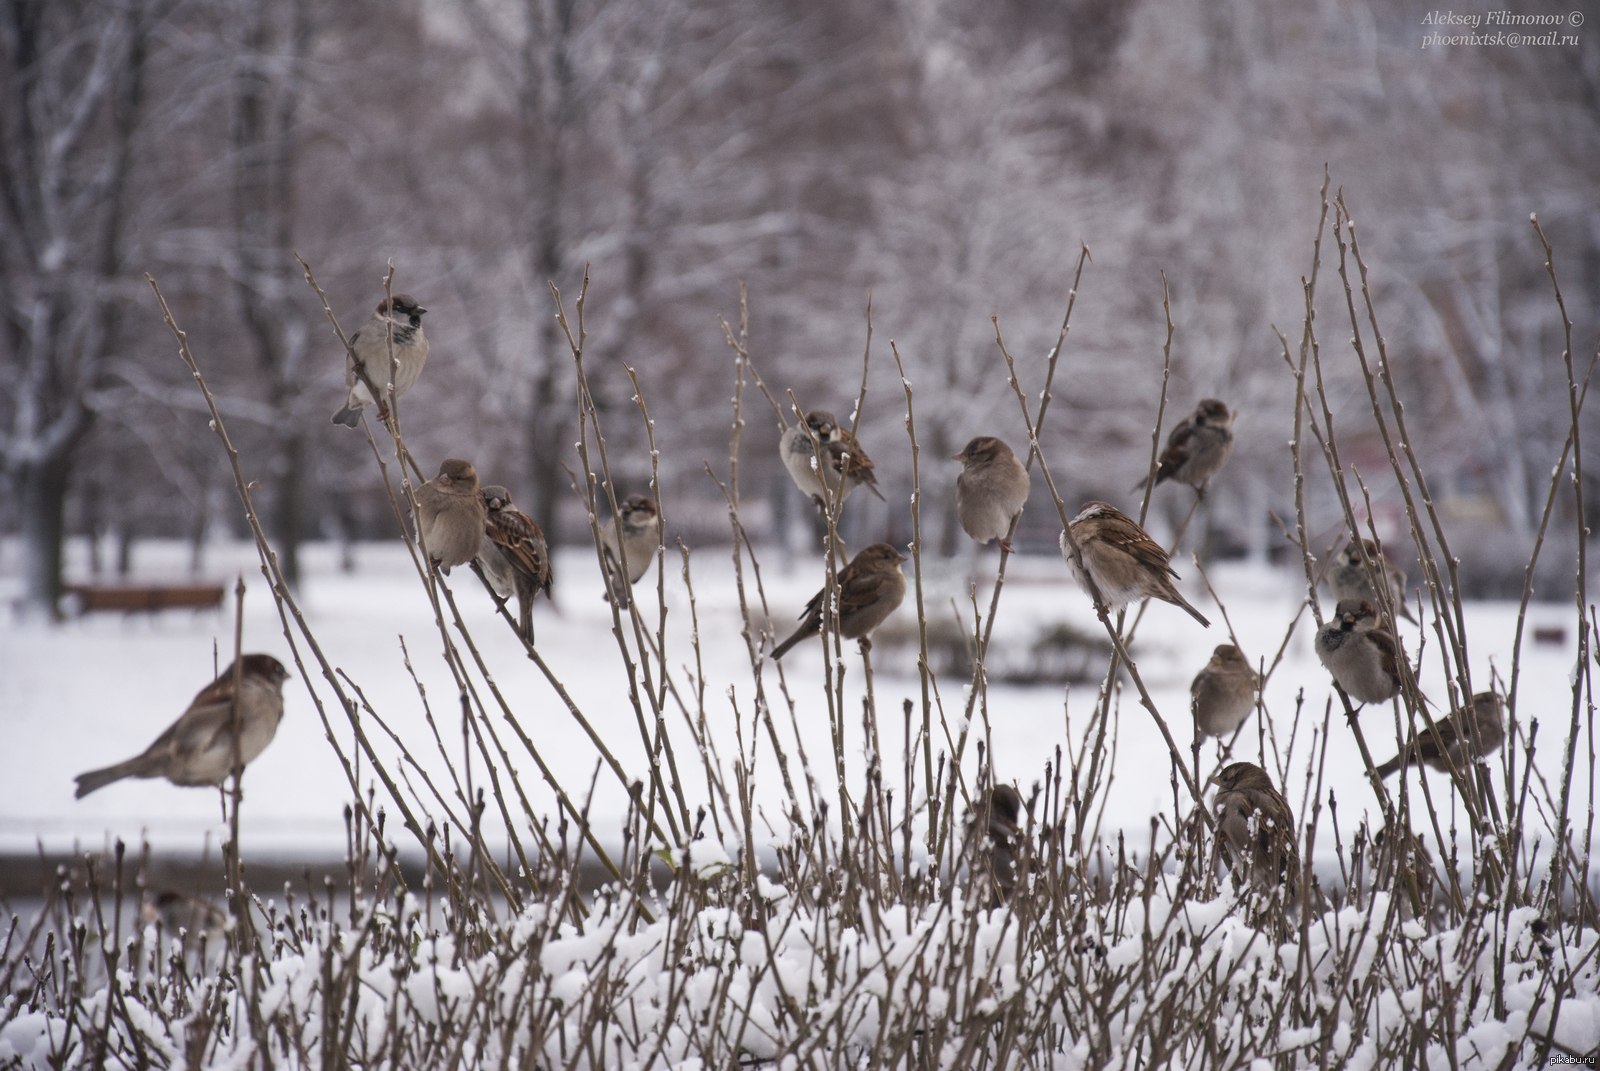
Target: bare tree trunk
42 489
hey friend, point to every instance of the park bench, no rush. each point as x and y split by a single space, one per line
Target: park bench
80 599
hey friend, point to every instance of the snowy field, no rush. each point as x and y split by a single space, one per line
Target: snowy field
98 689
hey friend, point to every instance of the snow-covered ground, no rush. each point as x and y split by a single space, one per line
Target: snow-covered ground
98 689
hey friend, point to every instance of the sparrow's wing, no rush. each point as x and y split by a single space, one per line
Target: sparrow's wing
1132 541
522 541
850 460
1388 650
203 726
859 588
1179 445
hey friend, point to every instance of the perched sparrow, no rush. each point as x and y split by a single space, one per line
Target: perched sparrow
999 854
640 522
1466 734
177 914
1363 658
514 555
1124 562
870 588
1350 579
1256 829
818 473
451 517
1197 446
1223 693
369 348
200 747
990 490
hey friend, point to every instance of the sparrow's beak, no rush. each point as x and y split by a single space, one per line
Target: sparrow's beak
958 457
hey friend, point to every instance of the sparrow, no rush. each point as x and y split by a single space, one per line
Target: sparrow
819 453
1223 693
1363 658
990 490
1468 733
999 853
1124 562
1255 828
870 588
367 361
176 913
200 748
1350 579
1197 446
514 555
639 520
451 517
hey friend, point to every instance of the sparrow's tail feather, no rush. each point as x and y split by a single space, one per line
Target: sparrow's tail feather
349 416
783 648
873 487
1387 768
95 780
1179 600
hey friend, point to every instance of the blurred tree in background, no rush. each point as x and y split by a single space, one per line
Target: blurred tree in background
947 161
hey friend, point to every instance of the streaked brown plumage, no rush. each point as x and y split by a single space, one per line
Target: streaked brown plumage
1464 735
451 515
1125 563
1258 836
514 555
200 748
870 589
990 489
1223 693
1362 658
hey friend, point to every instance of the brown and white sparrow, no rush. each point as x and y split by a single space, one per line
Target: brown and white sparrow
367 362
1124 562
450 514
514 555
996 832
1349 579
638 521
870 588
1363 658
990 490
818 453
1197 446
200 748
1255 828
1223 693
1465 734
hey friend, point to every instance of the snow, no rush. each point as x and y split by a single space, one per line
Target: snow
98 689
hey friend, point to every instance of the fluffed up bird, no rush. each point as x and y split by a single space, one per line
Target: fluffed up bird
1461 737
367 362
1349 579
1197 446
1123 561
1256 829
818 453
1223 693
990 489
995 828
450 514
870 588
201 747
1363 658
514 555
639 521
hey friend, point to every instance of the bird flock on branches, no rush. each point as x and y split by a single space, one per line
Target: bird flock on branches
461 521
